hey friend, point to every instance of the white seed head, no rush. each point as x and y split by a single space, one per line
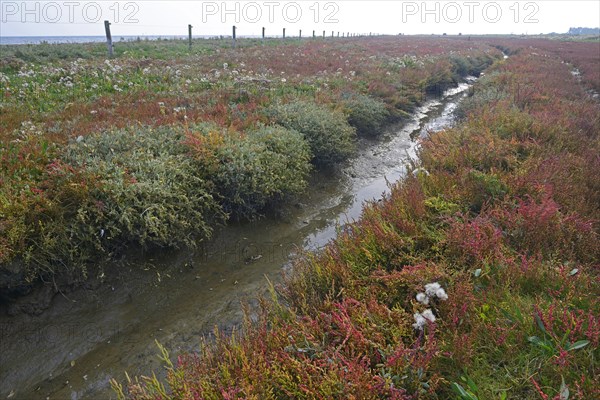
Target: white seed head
420 322
422 298
441 294
432 288
428 315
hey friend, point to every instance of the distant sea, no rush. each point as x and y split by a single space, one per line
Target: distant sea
6 40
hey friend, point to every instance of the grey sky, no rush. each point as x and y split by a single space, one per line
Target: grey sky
162 17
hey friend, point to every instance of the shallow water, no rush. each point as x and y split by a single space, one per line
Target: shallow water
175 297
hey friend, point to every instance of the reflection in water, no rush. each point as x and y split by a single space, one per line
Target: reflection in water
176 297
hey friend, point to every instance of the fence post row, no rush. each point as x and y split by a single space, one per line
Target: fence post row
110 46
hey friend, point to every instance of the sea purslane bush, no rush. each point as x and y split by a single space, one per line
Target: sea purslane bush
327 131
254 170
365 113
134 186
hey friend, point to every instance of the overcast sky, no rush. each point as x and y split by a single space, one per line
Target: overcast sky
163 17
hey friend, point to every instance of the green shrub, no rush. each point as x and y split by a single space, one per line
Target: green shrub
471 65
255 170
365 113
147 191
328 133
101 193
461 65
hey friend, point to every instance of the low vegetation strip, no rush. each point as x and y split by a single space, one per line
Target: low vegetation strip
101 155
476 278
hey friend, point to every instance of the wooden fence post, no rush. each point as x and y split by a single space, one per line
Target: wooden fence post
109 42
190 37
234 36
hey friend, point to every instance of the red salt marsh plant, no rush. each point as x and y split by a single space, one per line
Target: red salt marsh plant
582 55
540 226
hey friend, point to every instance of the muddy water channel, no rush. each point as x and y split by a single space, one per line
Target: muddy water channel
88 336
